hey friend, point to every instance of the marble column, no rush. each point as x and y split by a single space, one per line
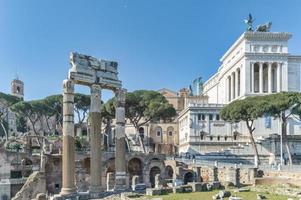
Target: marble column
260 77
120 162
270 78
95 141
279 65
68 160
236 83
252 82
232 86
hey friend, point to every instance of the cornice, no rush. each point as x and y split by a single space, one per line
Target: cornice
267 36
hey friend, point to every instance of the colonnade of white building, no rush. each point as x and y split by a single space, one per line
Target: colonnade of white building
265 77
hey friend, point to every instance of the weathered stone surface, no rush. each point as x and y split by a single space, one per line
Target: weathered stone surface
235 198
224 194
41 196
153 191
198 187
34 185
260 197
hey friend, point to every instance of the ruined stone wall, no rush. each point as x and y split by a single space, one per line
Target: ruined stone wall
227 174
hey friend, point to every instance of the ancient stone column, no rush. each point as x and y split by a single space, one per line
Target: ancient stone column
68 186
95 141
120 162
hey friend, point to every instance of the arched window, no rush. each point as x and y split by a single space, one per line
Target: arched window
158 131
141 132
170 131
202 134
235 134
218 137
226 138
211 138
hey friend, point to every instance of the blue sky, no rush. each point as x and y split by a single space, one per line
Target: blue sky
158 43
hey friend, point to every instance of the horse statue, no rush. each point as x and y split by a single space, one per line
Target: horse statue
264 27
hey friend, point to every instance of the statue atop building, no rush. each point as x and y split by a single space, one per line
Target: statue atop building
249 22
260 28
264 27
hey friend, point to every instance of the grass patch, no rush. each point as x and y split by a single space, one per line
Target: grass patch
208 196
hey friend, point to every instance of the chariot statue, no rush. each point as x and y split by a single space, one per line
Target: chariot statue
264 27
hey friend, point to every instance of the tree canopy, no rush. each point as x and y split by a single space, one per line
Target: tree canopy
143 106
246 110
9 99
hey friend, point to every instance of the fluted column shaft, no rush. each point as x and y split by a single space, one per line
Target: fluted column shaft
260 77
252 78
68 160
279 65
120 162
95 140
236 83
270 79
232 87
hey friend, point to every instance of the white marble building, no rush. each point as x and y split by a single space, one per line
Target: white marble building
258 63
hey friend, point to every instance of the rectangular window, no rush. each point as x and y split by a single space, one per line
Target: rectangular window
158 133
199 116
210 117
217 117
203 117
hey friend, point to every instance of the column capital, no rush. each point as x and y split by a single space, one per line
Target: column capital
68 86
95 98
120 96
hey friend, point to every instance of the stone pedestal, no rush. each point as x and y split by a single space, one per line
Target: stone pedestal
95 142
110 181
68 171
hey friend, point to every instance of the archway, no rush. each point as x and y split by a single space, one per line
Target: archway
110 174
188 177
135 168
153 172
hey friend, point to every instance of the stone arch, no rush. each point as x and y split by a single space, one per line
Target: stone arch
153 172
135 168
188 177
86 162
169 172
110 165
